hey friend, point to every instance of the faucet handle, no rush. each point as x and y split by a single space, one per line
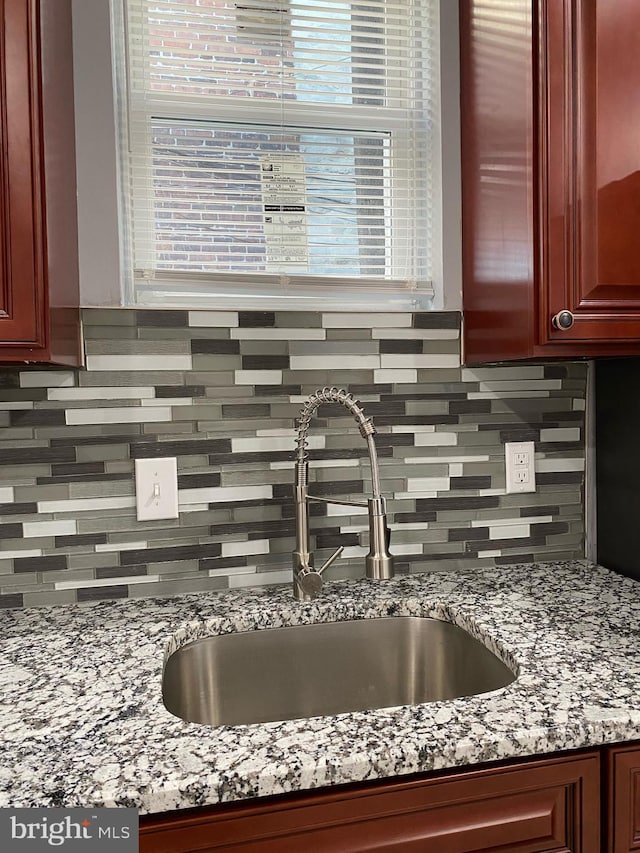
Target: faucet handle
331 559
309 580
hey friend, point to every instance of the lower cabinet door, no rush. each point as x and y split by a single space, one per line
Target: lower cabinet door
541 805
624 799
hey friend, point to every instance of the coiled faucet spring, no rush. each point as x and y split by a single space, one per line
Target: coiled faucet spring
379 562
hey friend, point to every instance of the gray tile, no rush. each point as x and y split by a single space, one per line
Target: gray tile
108 317
174 429
98 593
216 363
298 319
102 452
179 587
116 378
48 598
348 334
173 570
137 347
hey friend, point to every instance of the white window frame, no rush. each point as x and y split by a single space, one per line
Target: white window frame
103 243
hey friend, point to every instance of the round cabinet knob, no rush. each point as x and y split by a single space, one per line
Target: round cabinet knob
562 320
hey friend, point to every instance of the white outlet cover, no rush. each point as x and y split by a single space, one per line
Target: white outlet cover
156 488
520 474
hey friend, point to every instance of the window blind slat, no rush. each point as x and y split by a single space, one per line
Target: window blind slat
281 138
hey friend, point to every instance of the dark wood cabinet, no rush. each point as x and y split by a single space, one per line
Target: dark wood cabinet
623 771
39 313
551 178
549 804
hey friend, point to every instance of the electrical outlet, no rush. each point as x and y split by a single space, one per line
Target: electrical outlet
156 488
520 475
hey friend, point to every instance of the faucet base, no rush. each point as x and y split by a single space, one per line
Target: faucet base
379 568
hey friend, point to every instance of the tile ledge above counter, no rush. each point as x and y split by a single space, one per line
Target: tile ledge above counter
83 722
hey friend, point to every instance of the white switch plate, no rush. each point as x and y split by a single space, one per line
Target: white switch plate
156 488
519 458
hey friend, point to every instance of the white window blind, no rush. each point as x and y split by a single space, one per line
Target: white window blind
279 147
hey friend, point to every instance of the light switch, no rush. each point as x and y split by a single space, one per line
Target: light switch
156 488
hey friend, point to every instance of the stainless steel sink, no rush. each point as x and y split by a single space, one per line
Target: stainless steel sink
328 668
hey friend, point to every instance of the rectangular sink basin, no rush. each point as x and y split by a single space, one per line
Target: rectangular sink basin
328 668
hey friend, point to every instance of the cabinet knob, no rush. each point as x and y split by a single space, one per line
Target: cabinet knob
562 320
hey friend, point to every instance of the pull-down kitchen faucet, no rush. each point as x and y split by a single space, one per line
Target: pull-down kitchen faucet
307 581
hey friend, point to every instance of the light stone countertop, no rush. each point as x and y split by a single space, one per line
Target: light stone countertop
83 722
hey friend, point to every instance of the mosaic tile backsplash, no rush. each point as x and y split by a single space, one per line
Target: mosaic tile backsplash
220 391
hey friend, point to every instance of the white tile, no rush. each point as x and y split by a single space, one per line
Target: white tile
579 405
173 361
495 553
126 581
408 495
47 378
223 494
419 484
320 463
559 465
411 525
366 320
417 334
435 439
261 443
105 393
419 360
259 578
489 374
510 522
258 377
405 548
413 428
6 495
344 511
122 546
456 469
49 528
355 551
254 546
444 460
235 570
116 415
86 504
406 377
485 492
213 319
334 362
14 554
273 334
516 531
560 434
168 401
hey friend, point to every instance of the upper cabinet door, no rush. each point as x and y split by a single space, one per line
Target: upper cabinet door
592 217
21 250
39 288
551 178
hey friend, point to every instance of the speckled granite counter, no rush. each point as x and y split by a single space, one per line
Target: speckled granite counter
83 722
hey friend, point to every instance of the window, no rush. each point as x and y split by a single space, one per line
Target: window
280 148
